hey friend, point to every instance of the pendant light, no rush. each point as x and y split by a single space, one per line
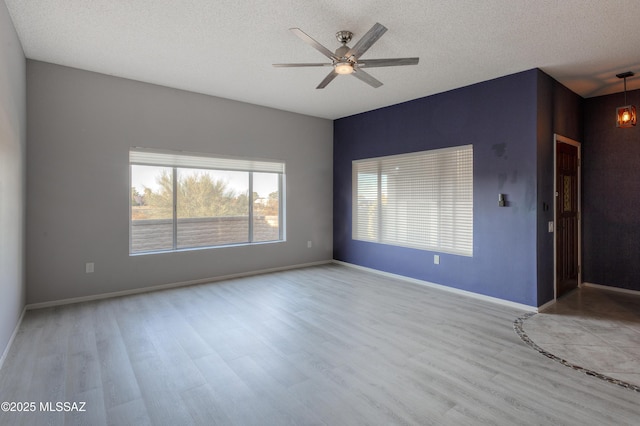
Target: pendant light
625 115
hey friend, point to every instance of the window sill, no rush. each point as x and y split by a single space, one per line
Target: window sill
154 252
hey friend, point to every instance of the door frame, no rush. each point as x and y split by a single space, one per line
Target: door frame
556 140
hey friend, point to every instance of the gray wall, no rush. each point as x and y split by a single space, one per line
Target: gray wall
12 177
81 126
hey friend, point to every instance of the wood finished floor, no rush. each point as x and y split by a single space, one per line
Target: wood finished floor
326 345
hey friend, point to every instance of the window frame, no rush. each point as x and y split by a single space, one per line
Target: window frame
176 160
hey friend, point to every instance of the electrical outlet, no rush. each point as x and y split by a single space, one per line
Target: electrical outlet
89 267
436 259
309 244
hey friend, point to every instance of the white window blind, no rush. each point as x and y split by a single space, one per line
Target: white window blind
421 200
152 157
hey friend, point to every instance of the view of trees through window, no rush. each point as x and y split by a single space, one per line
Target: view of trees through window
200 195
212 207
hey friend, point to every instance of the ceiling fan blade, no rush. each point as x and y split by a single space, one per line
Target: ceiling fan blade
367 41
328 79
367 78
317 64
310 41
374 63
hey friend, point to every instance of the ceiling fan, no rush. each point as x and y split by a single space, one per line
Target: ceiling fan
347 60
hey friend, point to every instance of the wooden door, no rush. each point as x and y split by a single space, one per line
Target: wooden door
567 211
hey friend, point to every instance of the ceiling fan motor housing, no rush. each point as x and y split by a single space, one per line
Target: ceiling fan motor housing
342 51
344 37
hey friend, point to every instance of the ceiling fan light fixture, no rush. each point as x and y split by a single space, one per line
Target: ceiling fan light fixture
625 115
343 68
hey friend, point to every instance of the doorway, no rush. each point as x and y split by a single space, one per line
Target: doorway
567 215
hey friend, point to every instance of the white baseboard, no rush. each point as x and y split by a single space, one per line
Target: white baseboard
168 286
609 288
12 338
496 300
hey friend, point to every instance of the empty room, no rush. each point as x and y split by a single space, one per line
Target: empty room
319 213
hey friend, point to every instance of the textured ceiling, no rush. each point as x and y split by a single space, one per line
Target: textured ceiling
226 47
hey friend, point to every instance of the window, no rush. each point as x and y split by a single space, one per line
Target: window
421 200
181 201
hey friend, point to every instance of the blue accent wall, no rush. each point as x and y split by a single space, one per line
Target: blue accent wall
500 118
559 112
511 122
611 194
